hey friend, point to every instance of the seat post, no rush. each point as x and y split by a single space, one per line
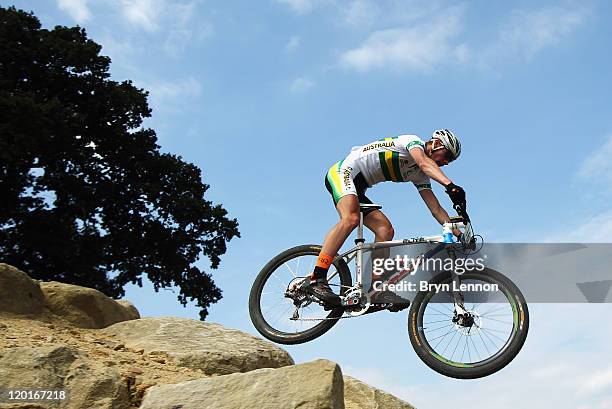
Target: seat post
360 228
359 242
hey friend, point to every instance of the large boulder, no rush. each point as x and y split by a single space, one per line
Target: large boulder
313 385
359 395
85 307
88 383
19 294
209 347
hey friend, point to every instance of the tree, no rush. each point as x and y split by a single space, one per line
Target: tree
86 196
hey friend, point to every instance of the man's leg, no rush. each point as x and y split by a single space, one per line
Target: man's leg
380 225
348 209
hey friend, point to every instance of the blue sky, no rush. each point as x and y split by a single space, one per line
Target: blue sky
265 96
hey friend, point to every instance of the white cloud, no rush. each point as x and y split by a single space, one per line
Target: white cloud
302 84
304 6
179 38
142 13
174 20
597 167
293 43
361 13
169 90
117 50
418 35
415 48
592 229
596 381
77 9
172 96
528 32
594 181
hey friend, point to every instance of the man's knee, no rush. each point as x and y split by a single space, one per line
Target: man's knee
385 232
350 221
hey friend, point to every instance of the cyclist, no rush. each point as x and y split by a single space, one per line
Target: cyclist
405 158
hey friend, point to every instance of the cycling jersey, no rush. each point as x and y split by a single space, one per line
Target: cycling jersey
385 160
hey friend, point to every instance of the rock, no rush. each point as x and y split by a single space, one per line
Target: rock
19 294
135 370
85 307
209 347
130 308
92 385
313 385
88 383
36 367
359 395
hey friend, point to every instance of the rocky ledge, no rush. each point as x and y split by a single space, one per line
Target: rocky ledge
104 355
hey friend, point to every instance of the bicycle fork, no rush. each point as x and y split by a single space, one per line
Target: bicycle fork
461 316
457 296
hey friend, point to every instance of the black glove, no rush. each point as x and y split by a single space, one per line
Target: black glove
457 194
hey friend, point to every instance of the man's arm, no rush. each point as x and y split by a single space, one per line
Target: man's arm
429 167
436 210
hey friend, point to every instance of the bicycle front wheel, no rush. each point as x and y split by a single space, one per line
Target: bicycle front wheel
296 318
491 336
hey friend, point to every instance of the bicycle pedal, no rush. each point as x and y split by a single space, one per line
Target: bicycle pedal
398 307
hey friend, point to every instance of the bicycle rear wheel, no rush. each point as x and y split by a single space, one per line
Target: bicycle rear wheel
273 312
494 335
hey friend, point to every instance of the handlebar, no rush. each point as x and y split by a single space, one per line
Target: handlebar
467 238
462 211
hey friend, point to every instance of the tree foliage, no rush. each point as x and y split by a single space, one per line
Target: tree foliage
86 195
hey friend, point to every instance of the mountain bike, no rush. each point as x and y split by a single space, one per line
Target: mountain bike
458 333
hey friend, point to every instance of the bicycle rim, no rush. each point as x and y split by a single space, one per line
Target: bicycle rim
497 322
275 311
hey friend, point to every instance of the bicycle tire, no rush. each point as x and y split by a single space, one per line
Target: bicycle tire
473 370
264 328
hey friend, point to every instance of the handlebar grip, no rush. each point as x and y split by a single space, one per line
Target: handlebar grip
462 212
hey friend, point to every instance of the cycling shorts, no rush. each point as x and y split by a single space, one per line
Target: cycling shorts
342 180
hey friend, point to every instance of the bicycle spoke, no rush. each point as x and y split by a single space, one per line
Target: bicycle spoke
494 315
467 341
483 343
454 350
272 306
493 335
434 322
450 342
495 330
475 348
443 336
280 283
490 340
436 329
495 308
463 353
291 271
439 312
496 320
279 313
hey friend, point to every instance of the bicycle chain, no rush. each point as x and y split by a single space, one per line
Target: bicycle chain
324 319
339 318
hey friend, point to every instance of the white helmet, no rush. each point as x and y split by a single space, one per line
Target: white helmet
449 140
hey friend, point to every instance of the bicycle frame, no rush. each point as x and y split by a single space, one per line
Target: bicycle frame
360 246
